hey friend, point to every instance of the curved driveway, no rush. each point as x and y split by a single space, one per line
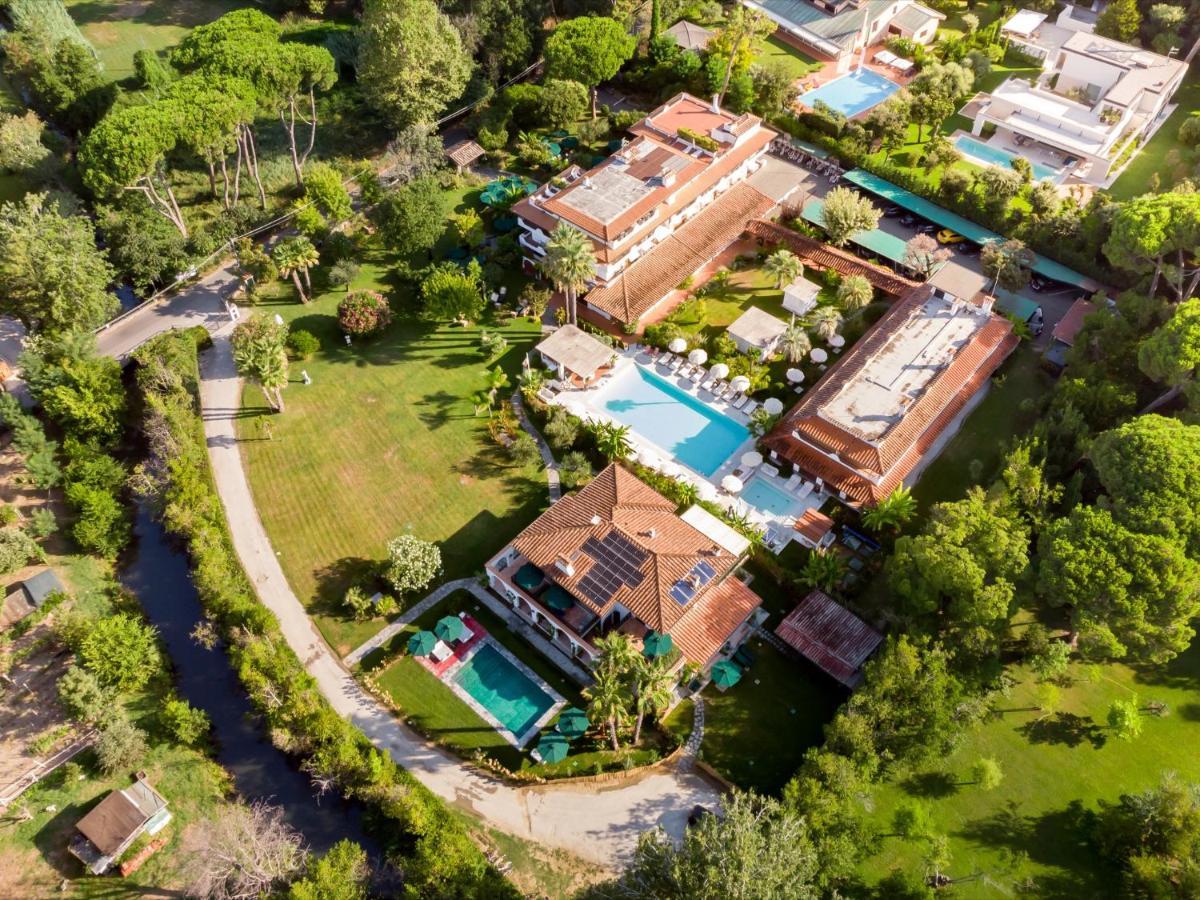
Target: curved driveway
599 823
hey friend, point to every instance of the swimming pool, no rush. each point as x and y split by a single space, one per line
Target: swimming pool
764 495
675 421
997 156
853 93
510 696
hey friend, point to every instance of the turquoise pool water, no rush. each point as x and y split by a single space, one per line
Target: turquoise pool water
853 93
502 689
697 436
997 156
763 495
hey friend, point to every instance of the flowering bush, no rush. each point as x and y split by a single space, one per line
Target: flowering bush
363 313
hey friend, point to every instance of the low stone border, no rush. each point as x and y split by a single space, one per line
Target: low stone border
708 771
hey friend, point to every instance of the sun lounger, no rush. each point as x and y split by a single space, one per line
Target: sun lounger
750 407
440 652
677 362
805 490
741 401
699 375
707 384
791 483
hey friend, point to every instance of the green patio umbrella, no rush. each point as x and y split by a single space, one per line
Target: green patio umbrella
450 628
573 722
726 674
422 643
552 747
529 577
558 599
657 645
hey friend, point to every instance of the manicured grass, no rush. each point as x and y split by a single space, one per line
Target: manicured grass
1029 829
430 706
1151 159
119 29
776 52
989 430
756 732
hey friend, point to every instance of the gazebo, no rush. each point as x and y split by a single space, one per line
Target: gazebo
463 154
690 36
800 297
574 353
757 330
831 636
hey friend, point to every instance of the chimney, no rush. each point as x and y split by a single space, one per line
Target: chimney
596 520
716 105
668 178
565 566
652 533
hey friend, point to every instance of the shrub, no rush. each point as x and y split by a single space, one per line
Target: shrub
412 563
358 602
120 746
523 450
342 272
101 525
42 523
364 313
562 429
562 102
121 651
183 722
302 344
17 549
82 695
574 470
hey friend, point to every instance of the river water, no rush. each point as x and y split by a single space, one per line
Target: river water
157 572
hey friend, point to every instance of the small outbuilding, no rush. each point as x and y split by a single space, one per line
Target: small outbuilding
575 354
830 636
800 297
757 330
690 36
463 154
1065 332
814 529
116 822
28 595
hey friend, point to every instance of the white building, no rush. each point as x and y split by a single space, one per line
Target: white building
1094 96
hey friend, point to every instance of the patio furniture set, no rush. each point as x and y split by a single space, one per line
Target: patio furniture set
704 379
892 61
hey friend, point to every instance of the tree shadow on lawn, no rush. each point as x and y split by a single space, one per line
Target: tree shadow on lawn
1059 839
180 12
930 785
336 578
1182 673
478 540
443 404
1064 728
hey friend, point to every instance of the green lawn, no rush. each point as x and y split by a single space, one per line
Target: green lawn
431 707
776 52
756 732
1029 829
118 28
1151 159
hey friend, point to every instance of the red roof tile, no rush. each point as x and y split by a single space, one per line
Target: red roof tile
830 636
1068 326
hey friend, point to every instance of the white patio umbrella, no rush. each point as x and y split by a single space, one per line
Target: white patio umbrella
732 484
795 376
671 469
649 459
706 490
837 341
773 406
740 383
697 357
677 345
818 355
719 371
751 459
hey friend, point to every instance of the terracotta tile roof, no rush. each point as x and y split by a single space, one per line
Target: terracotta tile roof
617 502
1068 326
814 525
869 471
718 614
830 636
816 253
694 243
464 153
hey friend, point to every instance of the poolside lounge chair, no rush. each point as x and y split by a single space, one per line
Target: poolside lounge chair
699 375
805 490
741 401
707 384
750 407
441 651
791 483
676 362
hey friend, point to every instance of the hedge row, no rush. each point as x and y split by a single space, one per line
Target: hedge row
422 837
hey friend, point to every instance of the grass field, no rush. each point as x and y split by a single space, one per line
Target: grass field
120 28
1029 830
776 52
1151 159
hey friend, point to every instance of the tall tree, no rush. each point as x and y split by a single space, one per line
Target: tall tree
212 111
1120 20
450 292
590 50
1155 836
784 266
1156 234
294 257
411 60
341 874
569 262
608 702
923 255
53 277
412 217
612 440
825 321
892 512
653 691
260 353
846 213
245 851
794 343
1171 354
736 43
855 293
1007 263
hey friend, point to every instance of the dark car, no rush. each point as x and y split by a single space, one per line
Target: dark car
926 228
908 220
697 815
1040 284
890 212
968 248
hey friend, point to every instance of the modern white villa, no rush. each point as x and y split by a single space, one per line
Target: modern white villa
839 29
1095 100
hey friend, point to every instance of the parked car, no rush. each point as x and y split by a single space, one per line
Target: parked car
946 236
890 212
926 228
908 220
968 248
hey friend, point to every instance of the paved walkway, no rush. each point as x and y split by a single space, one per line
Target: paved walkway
696 738
548 461
599 823
385 634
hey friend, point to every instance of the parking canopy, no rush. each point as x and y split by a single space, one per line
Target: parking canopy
877 241
917 204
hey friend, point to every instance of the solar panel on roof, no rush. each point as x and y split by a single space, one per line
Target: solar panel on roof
617 562
690 584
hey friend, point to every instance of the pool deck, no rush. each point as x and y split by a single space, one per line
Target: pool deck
830 73
1036 155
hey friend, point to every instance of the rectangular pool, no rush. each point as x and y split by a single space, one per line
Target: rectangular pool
508 694
998 156
853 93
675 421
762 494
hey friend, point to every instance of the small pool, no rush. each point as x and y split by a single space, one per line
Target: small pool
762 494
997 156
697 436
853 93
493 681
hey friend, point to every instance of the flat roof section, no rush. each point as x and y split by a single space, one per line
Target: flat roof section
874 399
605 194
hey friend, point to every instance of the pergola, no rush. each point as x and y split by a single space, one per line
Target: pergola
464 153
573 351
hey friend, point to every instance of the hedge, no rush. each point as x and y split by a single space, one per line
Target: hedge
434 850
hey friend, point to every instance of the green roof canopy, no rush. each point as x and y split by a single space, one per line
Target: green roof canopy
657 644
726 673
552 747
450 628
876 240
422 643
1020 308
573 722
529 577
557 599
1047 268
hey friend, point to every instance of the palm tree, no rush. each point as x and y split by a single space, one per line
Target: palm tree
608 702
687 493
532 380
794 343
825 321
854 293
570 261
892 511
785 266
823 570
612 440
494 381
294 257
654 689
260 354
